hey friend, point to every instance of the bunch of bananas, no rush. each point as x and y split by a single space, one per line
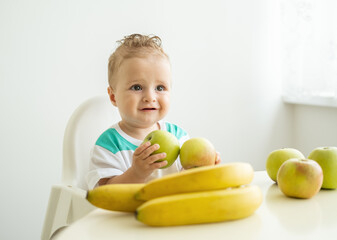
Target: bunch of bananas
201 195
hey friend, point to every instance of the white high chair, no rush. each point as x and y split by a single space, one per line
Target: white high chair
67 201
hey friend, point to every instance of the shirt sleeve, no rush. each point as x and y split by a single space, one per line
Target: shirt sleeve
105 164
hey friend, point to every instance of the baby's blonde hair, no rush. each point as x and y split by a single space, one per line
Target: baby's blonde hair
135 45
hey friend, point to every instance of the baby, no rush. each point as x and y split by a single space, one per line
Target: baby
139 74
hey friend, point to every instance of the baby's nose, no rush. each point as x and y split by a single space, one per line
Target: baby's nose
149 96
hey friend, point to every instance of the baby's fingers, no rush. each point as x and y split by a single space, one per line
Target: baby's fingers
217 158
160 164
155 157
156 161
141 148
145 150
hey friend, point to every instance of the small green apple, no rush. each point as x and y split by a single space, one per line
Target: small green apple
279 156
197 152
327 159
300 178
168 143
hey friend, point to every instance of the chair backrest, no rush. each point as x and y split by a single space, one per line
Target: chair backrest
85 125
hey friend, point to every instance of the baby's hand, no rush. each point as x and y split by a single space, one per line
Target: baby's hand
217 158
144 163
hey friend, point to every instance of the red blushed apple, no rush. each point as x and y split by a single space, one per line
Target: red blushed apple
279 156
300 178
197 152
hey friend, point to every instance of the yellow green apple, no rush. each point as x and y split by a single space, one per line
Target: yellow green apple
327 159
279 156
167 142
300 178
197 152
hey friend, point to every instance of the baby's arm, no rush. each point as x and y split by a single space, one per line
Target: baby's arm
143 165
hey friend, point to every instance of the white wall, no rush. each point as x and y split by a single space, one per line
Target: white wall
53 57
314 127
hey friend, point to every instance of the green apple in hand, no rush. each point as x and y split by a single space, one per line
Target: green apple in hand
300 178
279 156
197 152
327 159
168 143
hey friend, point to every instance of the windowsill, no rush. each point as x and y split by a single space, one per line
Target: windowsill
311 100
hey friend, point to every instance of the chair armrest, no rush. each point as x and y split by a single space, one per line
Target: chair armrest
66 205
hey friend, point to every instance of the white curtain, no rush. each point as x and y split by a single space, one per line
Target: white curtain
309 49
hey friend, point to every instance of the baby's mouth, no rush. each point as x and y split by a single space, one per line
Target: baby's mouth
148 109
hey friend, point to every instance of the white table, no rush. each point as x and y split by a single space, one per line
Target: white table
279 217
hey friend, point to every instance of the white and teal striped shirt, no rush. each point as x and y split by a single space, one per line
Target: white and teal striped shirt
113 151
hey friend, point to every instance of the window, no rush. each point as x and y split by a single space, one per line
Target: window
309 51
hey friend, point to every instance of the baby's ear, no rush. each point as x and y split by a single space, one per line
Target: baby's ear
112 96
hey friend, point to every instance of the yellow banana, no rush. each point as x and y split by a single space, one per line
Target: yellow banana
115 197
201 207
198 179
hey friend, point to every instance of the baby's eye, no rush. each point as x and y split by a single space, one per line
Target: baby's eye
136 87
160 88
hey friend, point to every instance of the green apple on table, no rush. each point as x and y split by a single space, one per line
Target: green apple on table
300 178
168 143
279 156
327 159
197 152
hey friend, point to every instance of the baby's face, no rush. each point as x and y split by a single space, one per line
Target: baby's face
142 90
